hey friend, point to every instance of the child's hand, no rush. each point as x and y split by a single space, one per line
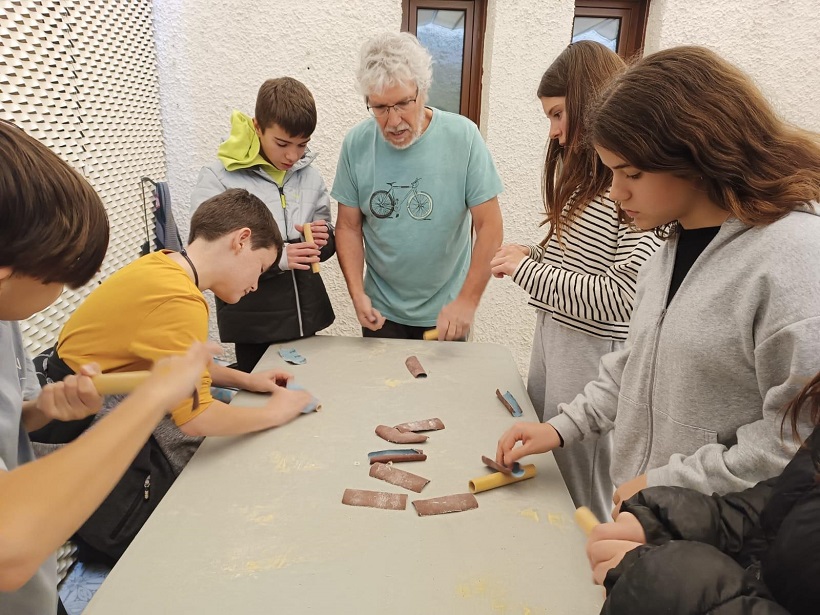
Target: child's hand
534 438
626 491
507 258
267 381
301 255
609 542
320 232
287 404
75 397
175 378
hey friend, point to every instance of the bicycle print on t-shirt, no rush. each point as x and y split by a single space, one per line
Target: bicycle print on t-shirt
386 204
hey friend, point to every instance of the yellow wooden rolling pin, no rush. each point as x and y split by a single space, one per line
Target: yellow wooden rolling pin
119 383
497 479
430 334
586 519
314 267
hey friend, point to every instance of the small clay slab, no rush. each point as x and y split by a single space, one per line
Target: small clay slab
514 471
446 504
391 434
425 425
394 476
375 499
415 367
509 403
397 455
292 356
314 405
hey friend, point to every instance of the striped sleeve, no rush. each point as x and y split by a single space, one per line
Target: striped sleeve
536 252
599 285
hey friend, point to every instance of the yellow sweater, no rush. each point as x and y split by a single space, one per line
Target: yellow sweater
147 310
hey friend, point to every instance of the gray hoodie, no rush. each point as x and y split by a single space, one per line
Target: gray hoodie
695 397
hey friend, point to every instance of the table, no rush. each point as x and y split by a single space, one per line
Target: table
255 523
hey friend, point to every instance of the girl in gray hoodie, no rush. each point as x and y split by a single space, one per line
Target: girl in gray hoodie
726 326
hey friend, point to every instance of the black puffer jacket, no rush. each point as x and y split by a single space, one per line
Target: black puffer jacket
754 552
287 305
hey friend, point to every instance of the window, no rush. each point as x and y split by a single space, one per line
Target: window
618 24
453 33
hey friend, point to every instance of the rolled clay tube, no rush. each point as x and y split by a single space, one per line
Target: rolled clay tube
119 383
314 267
586 519
491 481
414 365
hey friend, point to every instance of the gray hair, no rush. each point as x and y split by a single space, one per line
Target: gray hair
393 58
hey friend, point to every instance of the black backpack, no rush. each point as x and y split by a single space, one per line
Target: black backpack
105 536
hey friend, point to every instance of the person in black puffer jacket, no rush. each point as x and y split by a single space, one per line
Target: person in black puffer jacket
674 550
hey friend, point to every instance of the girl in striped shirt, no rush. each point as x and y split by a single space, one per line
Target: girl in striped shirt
581 277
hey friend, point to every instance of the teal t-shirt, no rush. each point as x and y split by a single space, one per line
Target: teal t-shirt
416 205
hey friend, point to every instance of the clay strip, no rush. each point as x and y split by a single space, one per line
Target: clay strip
509 403
514 471
446 504
391 434
394 476
425 425
415 367
375 499
397 455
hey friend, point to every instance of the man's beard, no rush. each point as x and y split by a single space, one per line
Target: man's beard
415 134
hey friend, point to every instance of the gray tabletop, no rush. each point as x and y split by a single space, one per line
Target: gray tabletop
255 524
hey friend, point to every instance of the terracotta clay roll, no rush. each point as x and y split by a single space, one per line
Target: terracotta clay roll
374 499
425 425
391 434
394 476
415 367
396 456
447 504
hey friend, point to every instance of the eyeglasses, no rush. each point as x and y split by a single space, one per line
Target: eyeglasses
399 107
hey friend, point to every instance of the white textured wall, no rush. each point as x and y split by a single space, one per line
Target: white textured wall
213 56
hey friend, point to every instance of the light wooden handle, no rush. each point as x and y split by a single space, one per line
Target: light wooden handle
119 383
586 519
430 334
314 267
491 481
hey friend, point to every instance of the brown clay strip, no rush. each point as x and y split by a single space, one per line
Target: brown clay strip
507 405
392 475
490 463
375 499
415 367
419 456
391 434
446 504
425 425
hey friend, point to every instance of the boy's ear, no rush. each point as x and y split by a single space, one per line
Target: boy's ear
241 238
256 127
5 273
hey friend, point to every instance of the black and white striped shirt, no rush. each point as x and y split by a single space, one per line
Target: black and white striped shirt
589 285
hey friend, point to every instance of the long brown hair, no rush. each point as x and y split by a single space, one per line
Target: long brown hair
688 112
573 174
807 402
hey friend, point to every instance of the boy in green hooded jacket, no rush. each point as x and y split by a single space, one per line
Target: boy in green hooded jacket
268 155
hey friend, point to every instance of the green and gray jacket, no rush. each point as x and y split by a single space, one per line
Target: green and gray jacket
288 304
695 397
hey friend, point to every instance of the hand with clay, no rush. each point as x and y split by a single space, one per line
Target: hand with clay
534 438
507 259
369 317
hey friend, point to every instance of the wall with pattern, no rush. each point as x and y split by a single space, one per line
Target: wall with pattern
81 76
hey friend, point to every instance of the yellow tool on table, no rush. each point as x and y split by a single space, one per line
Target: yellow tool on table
586 519
314 267
430 334
497 479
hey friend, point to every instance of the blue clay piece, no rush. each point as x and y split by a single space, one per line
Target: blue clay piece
312 405
398 451
516 408
517 470
291 356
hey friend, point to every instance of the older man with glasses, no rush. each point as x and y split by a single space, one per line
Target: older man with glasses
410 182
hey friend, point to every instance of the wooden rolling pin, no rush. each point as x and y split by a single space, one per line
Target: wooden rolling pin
586 519
314 267
119 383
430 334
